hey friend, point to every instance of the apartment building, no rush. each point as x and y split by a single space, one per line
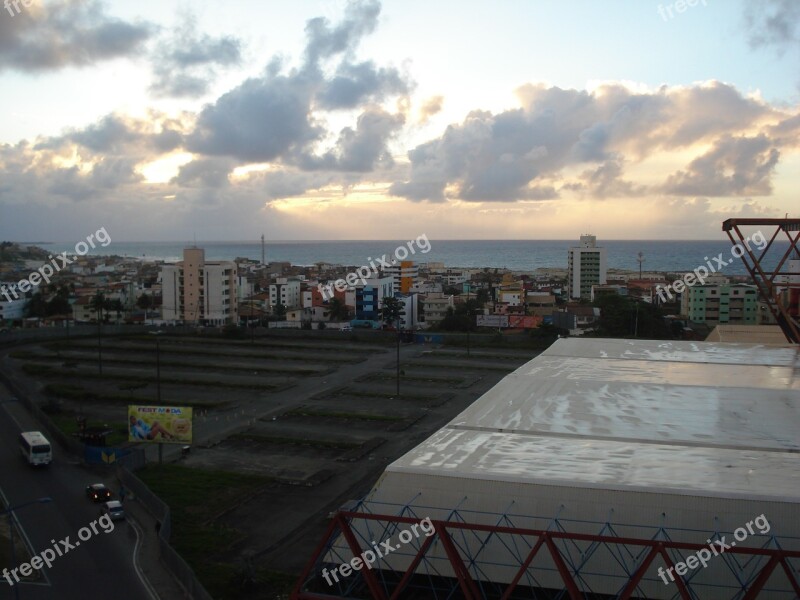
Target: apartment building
586 266
726 303
404 275
369 297
285 291
434 307
198 291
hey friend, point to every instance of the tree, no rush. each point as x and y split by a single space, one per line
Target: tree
98 305
338 310
145 302
460 318
36 306
621 316
279 310
391 311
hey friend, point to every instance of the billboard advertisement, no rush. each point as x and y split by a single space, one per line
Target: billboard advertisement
524 321
491 321
161 424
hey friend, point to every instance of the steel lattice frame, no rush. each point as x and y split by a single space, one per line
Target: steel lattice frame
463 562
765 280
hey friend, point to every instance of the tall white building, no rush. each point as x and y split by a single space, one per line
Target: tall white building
404 275
285 291
196 291
586 266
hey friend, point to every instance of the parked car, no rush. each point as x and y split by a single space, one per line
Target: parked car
98 492
113 508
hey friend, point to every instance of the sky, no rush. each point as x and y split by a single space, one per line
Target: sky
336 120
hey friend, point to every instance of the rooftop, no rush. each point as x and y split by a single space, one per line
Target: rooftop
688 418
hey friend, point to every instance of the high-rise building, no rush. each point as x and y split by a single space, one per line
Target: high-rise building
197 291
586 266
369 298
404 275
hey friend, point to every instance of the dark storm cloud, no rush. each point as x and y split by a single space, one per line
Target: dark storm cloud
188 62
65 34
735 166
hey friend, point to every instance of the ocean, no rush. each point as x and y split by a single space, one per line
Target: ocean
523 255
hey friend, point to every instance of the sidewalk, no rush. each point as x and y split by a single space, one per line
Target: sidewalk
160 580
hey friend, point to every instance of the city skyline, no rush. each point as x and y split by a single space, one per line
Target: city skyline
366 120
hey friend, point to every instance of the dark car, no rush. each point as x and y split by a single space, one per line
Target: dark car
97 492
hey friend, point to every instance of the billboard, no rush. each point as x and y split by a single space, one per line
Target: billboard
524 321
162 424
491 321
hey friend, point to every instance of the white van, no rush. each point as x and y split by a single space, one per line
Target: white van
35 448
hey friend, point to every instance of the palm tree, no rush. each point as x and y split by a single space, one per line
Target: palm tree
338 310
98 305
144 302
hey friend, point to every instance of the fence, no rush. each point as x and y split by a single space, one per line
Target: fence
173 561
160 510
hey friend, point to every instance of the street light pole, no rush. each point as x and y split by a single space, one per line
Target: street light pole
158 369
10 512
397 326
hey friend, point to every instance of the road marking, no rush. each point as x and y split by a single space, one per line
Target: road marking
25 537
150 590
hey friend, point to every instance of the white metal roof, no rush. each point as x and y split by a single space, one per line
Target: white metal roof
697 418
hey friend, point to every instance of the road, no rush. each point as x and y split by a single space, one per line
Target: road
100 567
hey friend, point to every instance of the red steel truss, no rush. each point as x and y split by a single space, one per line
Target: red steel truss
770 282
647 550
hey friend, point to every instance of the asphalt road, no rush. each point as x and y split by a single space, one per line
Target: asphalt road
100 567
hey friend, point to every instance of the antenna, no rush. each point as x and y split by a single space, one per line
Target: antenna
262 250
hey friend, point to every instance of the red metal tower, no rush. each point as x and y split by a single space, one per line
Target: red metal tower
779 286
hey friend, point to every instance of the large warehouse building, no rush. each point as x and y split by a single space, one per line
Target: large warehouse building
619 468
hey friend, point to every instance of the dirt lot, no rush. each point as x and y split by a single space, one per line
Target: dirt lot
319 417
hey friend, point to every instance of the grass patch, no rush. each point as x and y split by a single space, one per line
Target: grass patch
386 396
77 393
471 367
421 378
47 371
288 441
180 364
69 425
300 412
195 498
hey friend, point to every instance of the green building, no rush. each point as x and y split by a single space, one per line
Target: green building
726 303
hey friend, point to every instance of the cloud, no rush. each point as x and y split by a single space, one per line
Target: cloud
276 117
517 153
735 166
355 84
432 106
362 149
606 182
67 33
258 121
117 135
186 64
325 41
207 172
774 23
